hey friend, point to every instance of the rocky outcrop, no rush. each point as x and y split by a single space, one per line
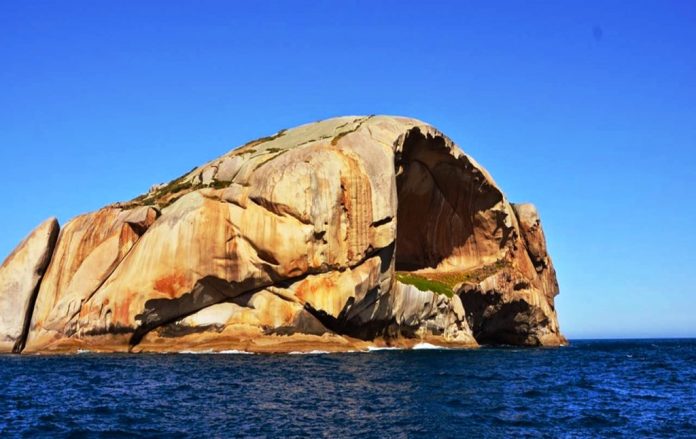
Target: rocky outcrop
334 235
515 303
88 251
20 276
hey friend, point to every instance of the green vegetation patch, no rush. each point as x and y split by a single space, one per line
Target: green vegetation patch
167 194
445 282
453 278
338 137
248 147
358 124
168 202
424 284
276 151
217 184
173 188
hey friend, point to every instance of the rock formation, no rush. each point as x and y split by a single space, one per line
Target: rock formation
20 275
335 235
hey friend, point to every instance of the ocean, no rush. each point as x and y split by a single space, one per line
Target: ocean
621 388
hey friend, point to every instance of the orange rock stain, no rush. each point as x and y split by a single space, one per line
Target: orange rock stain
122 309
171 285
309 288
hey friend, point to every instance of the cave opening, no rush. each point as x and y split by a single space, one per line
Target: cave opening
439 195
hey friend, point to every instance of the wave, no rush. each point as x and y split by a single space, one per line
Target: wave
191 352
383 348
418 346
423 345
210 351
314 352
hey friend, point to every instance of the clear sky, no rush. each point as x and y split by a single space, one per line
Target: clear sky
587 109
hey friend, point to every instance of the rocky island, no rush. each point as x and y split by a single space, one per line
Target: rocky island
337 235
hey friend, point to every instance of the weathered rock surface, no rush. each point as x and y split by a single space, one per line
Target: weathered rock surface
20 275
515 305
333 235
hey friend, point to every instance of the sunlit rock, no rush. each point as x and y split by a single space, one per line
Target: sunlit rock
341 234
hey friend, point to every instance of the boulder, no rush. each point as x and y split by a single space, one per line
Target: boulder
20 277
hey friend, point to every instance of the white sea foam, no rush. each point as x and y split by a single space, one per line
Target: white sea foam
211 351
423 345
235 351
84 351
382 348
315 352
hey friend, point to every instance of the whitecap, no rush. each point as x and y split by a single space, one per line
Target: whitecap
423 345
235 351
189 352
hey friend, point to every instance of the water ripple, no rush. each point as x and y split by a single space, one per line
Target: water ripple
607 388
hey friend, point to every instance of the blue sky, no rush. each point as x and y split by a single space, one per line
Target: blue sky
587 109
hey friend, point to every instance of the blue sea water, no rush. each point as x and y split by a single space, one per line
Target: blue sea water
589 389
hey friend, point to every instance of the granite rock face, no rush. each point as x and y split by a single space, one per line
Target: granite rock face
335 235
20 276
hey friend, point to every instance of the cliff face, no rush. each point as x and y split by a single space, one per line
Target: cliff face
334 235
20 275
